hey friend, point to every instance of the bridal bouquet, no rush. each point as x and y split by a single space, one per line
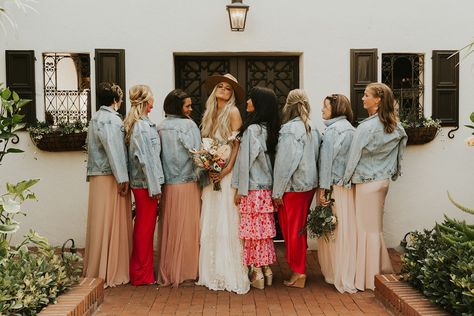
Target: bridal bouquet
321 221
212 156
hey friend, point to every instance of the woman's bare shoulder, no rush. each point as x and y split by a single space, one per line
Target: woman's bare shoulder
235 118
234 111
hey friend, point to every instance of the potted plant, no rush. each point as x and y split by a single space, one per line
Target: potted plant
421 131
62 136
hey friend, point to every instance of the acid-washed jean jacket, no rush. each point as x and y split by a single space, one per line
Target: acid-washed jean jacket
107 153
144 155
253 168
374 154
296 159
334 151
178 136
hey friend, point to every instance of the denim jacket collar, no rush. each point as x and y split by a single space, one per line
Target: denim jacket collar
334 120
369 118
176 116
147 119
295 119
109 109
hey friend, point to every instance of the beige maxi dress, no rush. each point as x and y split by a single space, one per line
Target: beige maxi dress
178 233
109 232
337 257
372 254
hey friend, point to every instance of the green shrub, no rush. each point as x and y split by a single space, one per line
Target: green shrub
31 280
440 264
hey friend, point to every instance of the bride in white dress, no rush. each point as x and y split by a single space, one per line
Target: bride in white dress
220 260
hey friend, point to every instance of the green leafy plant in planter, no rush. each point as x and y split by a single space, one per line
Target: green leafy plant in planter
440 262
29 279
63 136
421 131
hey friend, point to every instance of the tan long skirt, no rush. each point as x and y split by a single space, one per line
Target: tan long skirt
372 254
178 233
109 232
338 257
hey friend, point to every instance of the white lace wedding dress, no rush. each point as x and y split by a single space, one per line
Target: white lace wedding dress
220 259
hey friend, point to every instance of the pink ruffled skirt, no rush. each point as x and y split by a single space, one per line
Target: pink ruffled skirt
257 228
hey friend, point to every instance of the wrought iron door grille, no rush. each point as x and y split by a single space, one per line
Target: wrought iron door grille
191 72
277 73
404 74
280 73
67 105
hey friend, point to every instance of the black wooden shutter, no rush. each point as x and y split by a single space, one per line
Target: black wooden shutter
110 67
363 71
446 87
20 67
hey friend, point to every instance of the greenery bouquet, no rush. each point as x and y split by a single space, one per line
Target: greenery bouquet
321 221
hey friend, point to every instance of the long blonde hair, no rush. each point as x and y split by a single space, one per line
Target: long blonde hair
215 123
297 104
139 97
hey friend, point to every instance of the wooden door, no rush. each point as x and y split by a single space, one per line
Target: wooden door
280 73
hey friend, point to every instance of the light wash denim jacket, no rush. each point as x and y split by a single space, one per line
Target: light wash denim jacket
253 168
374 154
296 159
144 156
178 135
334 151
106 150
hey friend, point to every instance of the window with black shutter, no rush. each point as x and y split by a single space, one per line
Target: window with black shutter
20 77
446 87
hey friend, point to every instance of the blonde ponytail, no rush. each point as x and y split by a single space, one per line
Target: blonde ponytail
139 97
297 104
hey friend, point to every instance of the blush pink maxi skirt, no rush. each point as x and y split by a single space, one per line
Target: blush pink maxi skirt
109 232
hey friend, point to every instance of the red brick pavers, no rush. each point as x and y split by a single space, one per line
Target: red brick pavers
317 298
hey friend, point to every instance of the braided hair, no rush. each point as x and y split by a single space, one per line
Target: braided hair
139 95
297 104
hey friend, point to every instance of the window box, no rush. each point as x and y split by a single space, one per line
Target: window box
63 137
421 135
60 142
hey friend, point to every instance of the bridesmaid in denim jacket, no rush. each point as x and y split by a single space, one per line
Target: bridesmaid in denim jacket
374 158
295 180
178 230
337 257
146 177
109 220
252 177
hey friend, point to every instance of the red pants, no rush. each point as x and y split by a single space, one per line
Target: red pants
292 216
141 262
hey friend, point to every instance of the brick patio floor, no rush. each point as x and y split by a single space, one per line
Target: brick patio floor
317 298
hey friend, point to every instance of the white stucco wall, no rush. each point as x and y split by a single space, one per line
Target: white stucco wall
322 31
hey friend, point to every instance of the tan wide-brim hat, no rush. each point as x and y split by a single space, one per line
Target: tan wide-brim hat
212 81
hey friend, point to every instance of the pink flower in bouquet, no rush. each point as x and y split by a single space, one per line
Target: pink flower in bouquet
212 156
221 163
